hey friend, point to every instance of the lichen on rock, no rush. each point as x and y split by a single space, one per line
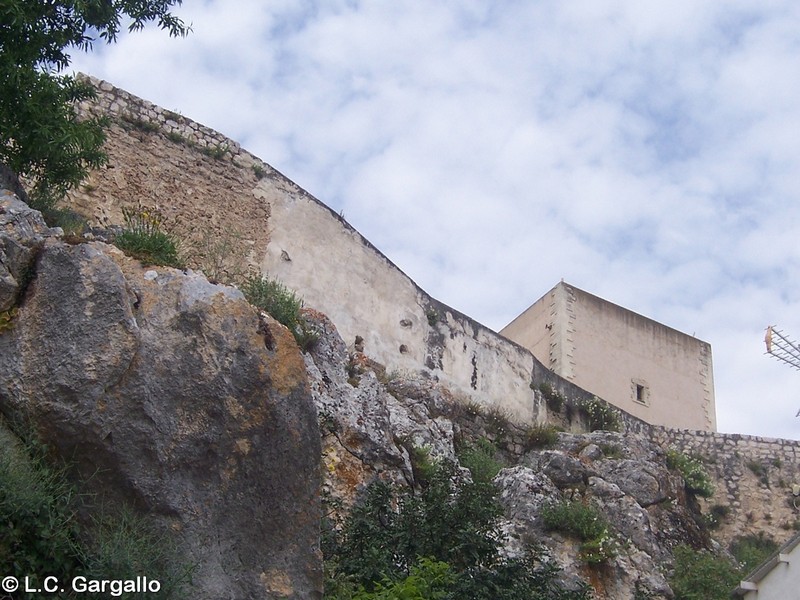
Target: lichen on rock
161 393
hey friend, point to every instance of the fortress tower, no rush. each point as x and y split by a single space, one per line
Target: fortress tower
649 370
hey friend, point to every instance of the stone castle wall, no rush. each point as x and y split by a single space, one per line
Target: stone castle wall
753 478
210 188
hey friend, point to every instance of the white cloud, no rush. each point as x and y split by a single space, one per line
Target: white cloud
644 152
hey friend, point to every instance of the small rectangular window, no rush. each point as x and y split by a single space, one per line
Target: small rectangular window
640 393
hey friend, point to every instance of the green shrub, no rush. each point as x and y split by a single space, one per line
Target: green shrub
540 436
481 460
37 516
428 580
600 414
574 519
700 575
440 542
584 523
695 477
283 305
143 237
751 550
421 463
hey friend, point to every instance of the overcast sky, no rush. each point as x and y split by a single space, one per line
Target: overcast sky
646 152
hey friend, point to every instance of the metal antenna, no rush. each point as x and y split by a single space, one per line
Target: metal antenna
782 348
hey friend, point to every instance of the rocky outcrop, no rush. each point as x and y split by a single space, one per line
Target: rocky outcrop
372 422
171 394
10 182
368 429
22 235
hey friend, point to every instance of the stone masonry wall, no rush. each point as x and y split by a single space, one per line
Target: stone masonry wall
210 188
202 182
753 479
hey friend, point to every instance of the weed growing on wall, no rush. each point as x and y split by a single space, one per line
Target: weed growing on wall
144 237
177 138
611 451
695 477
259 171
216 152
555 400
716 515
759 470
539 436
497 421
130 120
433 316
220 255
70 221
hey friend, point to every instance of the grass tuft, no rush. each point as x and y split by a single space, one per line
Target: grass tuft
143 237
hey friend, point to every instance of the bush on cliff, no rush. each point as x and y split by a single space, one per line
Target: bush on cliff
585 523
700 575
441 542
282 304
695 477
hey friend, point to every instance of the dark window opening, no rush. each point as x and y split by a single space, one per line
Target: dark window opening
640 393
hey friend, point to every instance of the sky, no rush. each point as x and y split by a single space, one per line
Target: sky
645 152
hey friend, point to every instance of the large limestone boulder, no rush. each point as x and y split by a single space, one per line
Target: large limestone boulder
174 395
